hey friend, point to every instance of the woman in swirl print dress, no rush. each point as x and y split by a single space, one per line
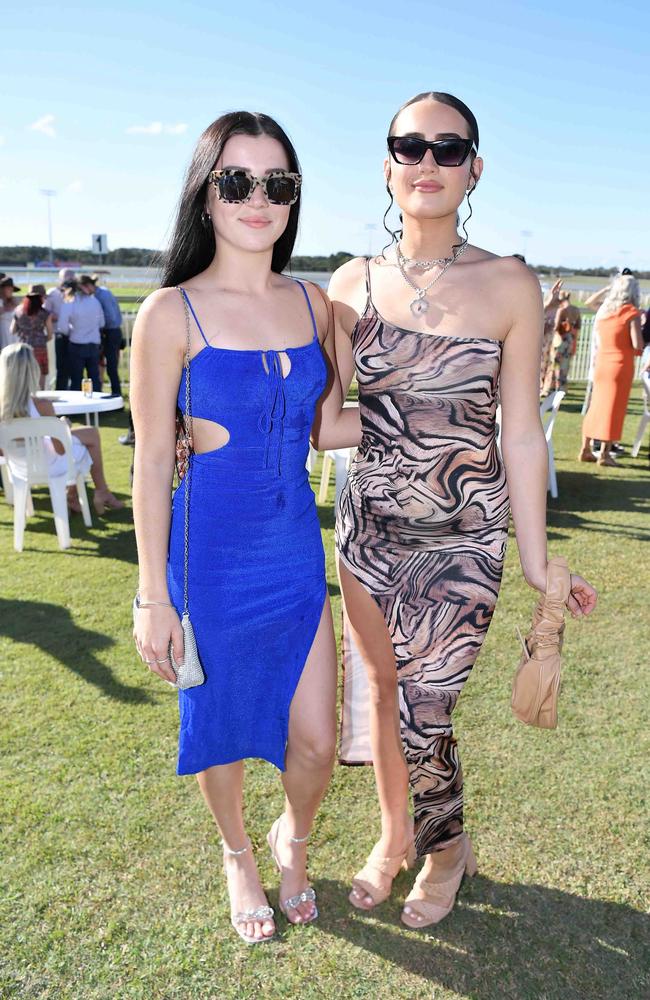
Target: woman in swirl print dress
435 328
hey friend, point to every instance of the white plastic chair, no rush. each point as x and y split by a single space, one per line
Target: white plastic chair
6 480
22 442
548 412
645 416
340 458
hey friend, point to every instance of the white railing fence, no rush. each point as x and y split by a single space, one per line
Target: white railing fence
579 368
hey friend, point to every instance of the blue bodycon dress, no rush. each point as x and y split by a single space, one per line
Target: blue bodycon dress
256 583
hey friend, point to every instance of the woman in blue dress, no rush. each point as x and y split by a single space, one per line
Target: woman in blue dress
263 377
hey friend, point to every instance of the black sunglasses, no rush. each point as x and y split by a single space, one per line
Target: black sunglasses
408 149
236 184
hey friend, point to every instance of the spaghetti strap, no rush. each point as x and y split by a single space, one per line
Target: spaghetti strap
187 299
311 311
369 301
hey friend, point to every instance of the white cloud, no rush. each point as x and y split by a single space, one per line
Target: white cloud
157 128
154 129
45 125
74 187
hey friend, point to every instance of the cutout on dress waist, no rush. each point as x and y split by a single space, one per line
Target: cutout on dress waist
208 435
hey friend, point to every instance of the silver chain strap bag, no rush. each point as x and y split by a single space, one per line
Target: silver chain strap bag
189 673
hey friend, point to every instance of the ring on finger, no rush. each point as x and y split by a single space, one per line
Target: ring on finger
164 660
148 661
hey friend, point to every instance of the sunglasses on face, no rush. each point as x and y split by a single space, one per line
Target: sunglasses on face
236 185
408 150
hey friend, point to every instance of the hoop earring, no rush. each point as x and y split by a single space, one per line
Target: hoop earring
394 235
206 219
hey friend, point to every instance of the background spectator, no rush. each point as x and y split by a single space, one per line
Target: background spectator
32 324
19 373
111 333
82 318
53 302
619 334
567 327
8 305
551 304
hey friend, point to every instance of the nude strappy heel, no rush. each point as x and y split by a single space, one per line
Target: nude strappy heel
430 902
307 895
260 914
376 877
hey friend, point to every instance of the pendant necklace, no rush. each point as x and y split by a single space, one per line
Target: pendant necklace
420 305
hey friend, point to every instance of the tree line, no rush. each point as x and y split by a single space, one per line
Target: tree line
141 257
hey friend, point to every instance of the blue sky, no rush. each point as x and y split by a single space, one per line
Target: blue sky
104 103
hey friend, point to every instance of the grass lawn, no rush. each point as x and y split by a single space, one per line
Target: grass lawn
111 882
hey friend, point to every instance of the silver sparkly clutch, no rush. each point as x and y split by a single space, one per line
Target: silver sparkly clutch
189 673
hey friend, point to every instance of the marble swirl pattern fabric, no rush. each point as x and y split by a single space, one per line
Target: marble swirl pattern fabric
422 525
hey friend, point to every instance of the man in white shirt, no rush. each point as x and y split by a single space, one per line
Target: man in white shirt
82 318
53 303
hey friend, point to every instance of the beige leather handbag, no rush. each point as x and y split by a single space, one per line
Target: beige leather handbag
536 685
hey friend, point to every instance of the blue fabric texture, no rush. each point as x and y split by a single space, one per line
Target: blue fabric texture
256 584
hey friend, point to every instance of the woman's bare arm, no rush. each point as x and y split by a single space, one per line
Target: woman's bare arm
334 426
522 441
593 301
551 297
635 334
157 351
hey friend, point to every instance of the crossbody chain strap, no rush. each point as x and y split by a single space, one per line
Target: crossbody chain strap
188 477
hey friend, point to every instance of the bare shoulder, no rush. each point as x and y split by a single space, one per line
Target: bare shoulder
162 316
347 278
519 276
514 283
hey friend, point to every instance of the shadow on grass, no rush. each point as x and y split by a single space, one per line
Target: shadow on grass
110 544
326 516
583 494
51 629
502 940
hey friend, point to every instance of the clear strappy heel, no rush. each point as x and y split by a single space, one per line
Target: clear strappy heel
307 895
260 914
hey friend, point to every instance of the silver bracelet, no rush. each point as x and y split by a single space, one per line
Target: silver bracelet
152 604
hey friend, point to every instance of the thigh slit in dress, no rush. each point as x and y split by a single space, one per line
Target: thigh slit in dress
422 525
256 582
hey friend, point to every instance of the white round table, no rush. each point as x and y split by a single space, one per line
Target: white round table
67 402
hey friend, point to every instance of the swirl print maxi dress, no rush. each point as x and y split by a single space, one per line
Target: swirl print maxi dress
422 525
256 583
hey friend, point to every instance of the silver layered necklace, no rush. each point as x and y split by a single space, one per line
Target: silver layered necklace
420 304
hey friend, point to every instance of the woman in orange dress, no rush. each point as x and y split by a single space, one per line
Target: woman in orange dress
619 332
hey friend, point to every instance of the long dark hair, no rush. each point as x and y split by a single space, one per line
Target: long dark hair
453 102
32 304
192 245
